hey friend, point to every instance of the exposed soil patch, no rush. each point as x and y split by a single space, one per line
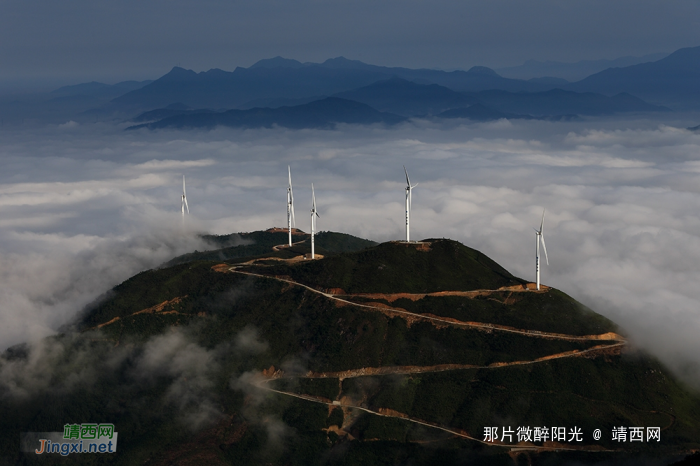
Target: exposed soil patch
166 307
391 297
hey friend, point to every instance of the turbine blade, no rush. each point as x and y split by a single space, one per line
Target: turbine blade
542 223
187 206
313 198
545 249
407 180
184 193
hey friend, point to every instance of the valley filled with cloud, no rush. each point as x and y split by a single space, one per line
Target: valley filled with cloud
84 207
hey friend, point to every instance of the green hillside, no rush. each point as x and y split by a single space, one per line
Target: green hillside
385 354
245 245
435 265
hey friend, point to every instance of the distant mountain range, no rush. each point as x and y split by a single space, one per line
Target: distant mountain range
412 99
294 80
279 82
393 101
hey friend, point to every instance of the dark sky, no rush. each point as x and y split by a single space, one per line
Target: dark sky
77 40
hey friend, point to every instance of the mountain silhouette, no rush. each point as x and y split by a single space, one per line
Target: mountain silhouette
407 98
325 113
279 78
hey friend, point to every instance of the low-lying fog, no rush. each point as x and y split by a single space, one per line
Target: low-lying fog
84 207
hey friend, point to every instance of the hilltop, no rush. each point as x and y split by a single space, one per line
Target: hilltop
252 353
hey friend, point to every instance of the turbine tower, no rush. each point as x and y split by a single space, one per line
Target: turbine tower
539 236
409 188
290 206
184 199
314 214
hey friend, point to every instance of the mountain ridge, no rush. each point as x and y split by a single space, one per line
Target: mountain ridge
325 113
393 100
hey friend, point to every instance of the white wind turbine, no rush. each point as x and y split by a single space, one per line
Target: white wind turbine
290 206
539 236
314 214
184 199
409 188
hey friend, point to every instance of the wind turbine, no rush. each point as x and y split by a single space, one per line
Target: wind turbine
290 206
539 236
184 199
409 187
314 214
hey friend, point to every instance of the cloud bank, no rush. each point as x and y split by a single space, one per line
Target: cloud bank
81 210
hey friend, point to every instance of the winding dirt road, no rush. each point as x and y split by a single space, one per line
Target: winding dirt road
262 381
610 336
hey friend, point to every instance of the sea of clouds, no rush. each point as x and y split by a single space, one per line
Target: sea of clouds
84 207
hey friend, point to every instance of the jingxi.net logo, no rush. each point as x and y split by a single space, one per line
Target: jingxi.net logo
75 438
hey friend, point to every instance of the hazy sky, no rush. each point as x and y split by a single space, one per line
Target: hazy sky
78 40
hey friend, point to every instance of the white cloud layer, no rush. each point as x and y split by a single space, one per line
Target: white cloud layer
80 212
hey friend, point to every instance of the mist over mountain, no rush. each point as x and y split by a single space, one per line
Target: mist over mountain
325 113
479 112
396 96
561 102
74 198
408 98
671 81
572 71
368 351
99 89
82 102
